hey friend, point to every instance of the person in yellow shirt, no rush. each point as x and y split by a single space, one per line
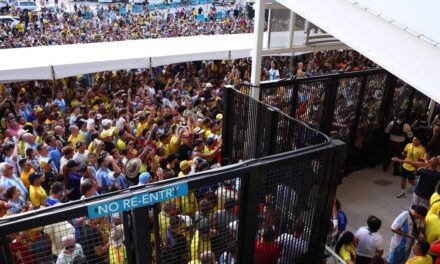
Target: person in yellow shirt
413 152
20 28
117 252
175 139
345 248
201 241
27 170
434 202
143 124
432 228
420 250
36 193
75 135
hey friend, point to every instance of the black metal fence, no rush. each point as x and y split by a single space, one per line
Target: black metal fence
275 207
351 106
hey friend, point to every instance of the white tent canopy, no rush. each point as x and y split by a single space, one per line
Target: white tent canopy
400 35
49 62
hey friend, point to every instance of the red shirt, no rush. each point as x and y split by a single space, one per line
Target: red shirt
266 253
435 248
20 253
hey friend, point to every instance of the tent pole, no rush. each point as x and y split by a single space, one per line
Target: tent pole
257 48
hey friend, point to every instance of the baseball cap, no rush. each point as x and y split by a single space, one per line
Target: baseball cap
106 133
106 122
144 178
186 164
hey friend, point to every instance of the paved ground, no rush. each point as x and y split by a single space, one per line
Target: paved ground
372 192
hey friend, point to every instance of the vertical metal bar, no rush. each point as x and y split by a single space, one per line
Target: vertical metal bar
141 235
5 252
249 198
329 105
358 112
257 48
410 103
269 31
273 130
431 108
128 235
157 233
291 29
329 182
388 95
294 99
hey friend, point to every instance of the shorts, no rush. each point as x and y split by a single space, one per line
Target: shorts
417 200
406 174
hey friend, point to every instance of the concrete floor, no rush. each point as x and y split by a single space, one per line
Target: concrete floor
361 196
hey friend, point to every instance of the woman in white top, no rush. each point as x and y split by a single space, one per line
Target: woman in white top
370 242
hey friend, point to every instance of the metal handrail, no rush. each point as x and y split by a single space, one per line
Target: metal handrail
334 255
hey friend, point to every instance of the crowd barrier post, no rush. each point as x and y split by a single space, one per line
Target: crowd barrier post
294 100
5 253
329 105
328 186
141 235
128 235
358 113
249 197
410 104
156 209
273 119
388 95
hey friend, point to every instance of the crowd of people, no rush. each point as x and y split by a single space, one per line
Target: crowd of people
58 25
412 147
89 135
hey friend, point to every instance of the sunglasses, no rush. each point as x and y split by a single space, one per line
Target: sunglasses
69 247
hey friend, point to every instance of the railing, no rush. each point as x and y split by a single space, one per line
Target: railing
351 106
223 213
335 258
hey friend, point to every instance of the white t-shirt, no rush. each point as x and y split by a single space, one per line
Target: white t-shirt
64 258
90 123
56 232
120 123
81 158
369 243
63 162
290 247
404 222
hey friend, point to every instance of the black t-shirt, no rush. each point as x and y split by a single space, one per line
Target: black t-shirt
90 238
427 182
109 146
184 152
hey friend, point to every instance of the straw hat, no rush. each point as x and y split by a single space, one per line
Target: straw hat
132 167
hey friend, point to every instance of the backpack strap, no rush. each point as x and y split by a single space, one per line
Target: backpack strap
416 230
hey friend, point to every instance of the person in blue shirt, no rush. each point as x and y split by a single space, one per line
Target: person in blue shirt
104 174
57 193
16 202
59 100
73 180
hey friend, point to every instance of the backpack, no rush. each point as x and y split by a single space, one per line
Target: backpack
397 129
342 221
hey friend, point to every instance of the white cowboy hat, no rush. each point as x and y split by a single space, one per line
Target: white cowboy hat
132 167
